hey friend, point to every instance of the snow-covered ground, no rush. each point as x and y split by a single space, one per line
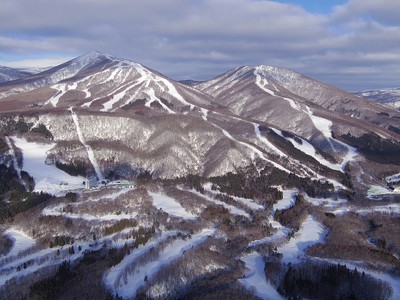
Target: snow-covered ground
394 178
10 266
170 206
393 208
310 233
375 191
254 151
47 178
232 209
327 202
255 277
250 203
21 241
126 283
287 200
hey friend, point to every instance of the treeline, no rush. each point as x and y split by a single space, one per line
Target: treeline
294 215
51 287
23 202
9 180
375 148
73 169
61 240
120 225
250 184
42 130
326 281
21 126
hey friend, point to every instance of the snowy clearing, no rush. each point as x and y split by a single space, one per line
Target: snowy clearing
287 200
310 233
255 277
47 177
170 206
21 241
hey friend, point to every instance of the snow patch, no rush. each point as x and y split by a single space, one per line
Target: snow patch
255 277
48 178
21 241
310 233
170 206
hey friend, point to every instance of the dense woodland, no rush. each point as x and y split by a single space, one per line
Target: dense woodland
312 280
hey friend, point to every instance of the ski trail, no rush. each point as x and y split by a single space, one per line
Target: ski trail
89 149
261 82
253 149
266 142
15 162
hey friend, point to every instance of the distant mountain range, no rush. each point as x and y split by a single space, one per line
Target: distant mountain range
389 97
9 74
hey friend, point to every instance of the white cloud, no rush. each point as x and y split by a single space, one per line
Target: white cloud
36 63
202 38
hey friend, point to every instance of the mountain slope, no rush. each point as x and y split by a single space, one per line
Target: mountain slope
118 181
101 82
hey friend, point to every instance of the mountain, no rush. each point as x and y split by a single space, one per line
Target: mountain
117 181
9 74
388 97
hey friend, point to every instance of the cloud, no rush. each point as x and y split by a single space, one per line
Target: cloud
201 38
383 11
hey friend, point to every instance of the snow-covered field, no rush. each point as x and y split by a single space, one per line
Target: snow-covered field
255 277
48 178
170 206
126 282
287 201
310 233
21 241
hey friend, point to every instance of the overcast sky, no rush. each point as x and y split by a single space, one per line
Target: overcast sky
352 44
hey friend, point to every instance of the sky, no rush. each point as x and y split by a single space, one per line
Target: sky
351 44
